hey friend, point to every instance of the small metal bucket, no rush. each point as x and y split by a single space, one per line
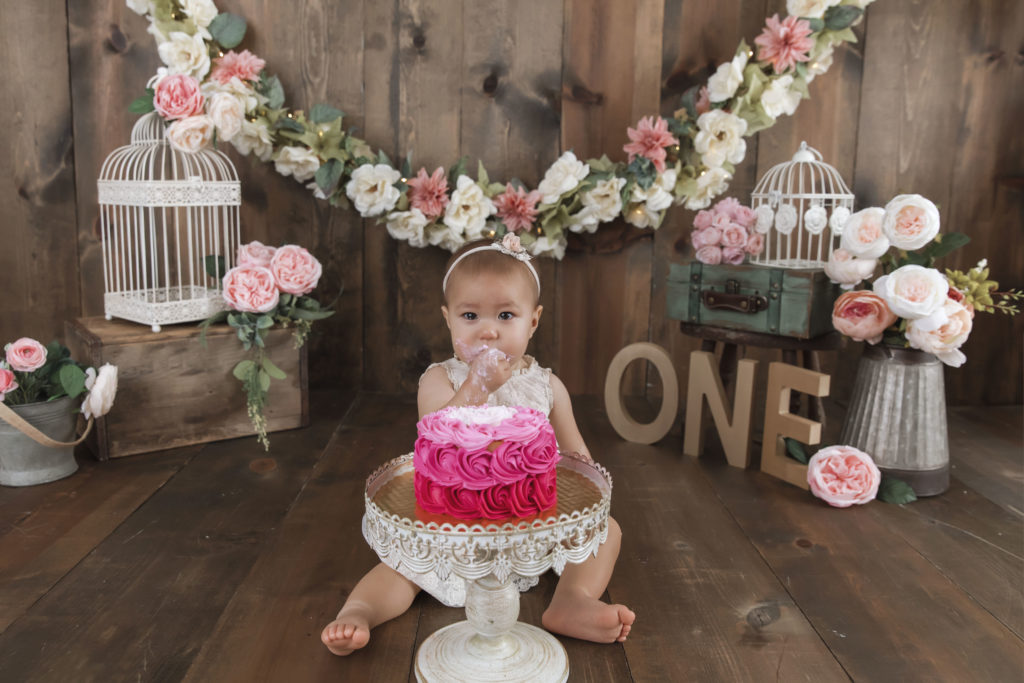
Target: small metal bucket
23 462
897 416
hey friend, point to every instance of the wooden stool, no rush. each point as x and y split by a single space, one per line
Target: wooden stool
732 340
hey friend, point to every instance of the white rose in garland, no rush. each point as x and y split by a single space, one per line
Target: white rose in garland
203 12
600 205
467 212
819 63
185 54
647 205
227 113
811 9
235 86
140 6
372 189
720 138
408 226
910 221
780 98
724 82
440 235
545 246
254 138
190 134
299 162
710 184
564 176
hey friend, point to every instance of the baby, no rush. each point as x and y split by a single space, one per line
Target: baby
491 306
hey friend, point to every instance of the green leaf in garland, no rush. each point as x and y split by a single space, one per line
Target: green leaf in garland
688 101
816 24
841 16
457 169
215 266
228 29
406 169
896 491
383 158
643 170
796 450
143 104
482 179
324 113
243 369
328 174
270 87
288 123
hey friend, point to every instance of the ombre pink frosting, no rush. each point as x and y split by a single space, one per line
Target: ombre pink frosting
485 462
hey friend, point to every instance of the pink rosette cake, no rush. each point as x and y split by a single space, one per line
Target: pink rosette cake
485 462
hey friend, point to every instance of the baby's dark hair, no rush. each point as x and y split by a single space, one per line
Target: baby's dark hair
488 261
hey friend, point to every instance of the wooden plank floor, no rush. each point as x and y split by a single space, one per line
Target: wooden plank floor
222 563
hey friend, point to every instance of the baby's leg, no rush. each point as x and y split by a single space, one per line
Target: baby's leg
381 594
576 609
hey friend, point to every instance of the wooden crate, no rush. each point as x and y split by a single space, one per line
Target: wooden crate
173 392
790 303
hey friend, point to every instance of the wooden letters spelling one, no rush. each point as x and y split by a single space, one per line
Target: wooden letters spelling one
732 423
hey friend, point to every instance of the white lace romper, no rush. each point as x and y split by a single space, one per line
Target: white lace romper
529 386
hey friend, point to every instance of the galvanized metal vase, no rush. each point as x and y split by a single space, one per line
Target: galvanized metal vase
23 462
897 416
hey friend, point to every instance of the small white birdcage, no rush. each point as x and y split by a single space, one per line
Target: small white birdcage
170 228
801 206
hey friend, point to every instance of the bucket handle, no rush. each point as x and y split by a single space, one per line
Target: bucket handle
19 423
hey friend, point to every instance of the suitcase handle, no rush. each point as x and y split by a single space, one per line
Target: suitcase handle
732 300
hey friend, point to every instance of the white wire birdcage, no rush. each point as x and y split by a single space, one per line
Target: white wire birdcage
170 228
801 206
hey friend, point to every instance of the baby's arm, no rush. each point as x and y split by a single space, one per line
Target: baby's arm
488 370
568 434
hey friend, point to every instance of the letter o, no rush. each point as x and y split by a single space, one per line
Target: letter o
628 428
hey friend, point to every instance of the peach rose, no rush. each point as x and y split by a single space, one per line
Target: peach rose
7 382
946 340
846 271
190 135
26 355
295 270
250 289
862 234
255 253
755 244
177 97
915 293
862 316
910 221
709 255
843 476
734 236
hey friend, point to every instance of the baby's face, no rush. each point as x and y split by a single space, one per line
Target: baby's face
492 311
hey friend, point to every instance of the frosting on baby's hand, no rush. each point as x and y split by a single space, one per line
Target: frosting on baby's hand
489 368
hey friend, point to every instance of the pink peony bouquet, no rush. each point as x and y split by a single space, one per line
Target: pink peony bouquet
725 233
269 286
912 305
33 373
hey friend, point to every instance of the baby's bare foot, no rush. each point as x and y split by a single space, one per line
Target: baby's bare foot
587 618
346 634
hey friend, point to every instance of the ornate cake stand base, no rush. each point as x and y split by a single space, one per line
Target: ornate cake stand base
491 645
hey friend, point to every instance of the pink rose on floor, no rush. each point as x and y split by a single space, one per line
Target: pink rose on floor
649 140
846 271
843 476
295 270
245 65
255 254
709 255
755 244
250 289
945 341
191 134
733 255
178 97
862 234
7 382
734 236
429 194
862 316
26 355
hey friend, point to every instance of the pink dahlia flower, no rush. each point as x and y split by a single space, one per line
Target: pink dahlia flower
429 194
784 43
517 209
245 65
649 140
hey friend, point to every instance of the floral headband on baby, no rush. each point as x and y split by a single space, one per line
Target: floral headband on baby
509 245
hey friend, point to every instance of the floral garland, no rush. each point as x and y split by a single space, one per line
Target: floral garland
208 92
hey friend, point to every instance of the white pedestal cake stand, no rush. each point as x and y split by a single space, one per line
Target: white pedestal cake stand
491 645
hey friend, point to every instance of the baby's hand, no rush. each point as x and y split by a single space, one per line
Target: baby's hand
489 368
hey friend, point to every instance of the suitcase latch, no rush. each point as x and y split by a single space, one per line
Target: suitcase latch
732 300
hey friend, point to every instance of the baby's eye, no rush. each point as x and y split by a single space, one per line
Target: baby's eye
468 315
506 315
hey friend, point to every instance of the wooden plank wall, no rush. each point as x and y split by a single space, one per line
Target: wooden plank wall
926 102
